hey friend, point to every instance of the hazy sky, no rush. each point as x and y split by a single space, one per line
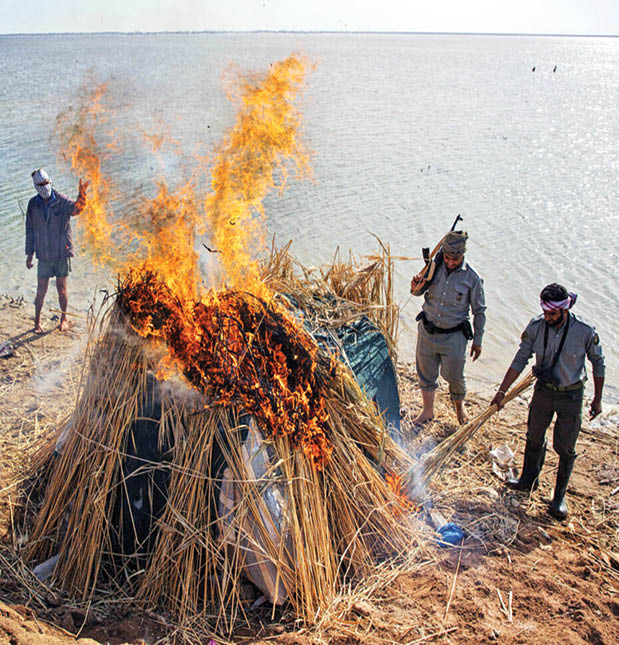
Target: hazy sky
501 16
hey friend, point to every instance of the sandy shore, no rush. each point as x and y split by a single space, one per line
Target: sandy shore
519 576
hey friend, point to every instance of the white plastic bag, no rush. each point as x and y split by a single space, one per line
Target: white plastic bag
503 462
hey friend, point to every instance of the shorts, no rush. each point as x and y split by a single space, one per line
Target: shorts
54 268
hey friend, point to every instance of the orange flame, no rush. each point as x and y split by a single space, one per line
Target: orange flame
238 348
76 130
396 484
252 161
171 221
230 342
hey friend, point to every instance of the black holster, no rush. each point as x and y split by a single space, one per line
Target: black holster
431 328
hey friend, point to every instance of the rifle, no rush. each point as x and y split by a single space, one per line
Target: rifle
433 260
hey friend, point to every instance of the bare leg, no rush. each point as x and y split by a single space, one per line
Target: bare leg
63 300
427 413
38 303
460 413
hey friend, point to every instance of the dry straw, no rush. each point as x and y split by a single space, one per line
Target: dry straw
332 527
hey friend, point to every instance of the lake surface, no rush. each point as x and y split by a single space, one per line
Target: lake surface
406 132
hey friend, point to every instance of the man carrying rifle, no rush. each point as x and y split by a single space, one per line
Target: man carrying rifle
560 342
444 328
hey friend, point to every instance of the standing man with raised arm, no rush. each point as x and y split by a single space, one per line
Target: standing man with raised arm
49 236
560 341
444 328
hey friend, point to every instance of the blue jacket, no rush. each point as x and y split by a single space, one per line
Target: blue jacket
51 239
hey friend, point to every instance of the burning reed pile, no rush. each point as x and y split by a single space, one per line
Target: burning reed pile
244 429
273 467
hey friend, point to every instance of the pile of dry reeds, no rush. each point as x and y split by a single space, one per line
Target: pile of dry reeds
220 472
341 292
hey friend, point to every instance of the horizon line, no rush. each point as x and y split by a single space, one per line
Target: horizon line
309 31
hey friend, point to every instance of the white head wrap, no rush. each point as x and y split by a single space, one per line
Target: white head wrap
42 183
557 305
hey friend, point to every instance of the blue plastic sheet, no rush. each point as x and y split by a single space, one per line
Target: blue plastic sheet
364 349
450 535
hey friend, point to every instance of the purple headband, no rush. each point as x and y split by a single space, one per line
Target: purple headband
556 305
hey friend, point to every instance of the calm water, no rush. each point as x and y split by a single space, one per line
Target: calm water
407 131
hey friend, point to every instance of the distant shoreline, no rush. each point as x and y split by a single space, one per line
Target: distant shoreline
292 31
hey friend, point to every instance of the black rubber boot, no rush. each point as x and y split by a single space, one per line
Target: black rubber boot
533 461
558 506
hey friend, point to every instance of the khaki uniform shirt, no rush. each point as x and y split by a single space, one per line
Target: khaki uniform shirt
448 298
581 340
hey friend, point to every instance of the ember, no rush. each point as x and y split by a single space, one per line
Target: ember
396 484
237 348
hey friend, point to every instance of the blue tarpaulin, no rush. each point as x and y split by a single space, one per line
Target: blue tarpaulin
363 348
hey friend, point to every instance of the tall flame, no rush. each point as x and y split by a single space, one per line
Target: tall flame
252 161
77 130
231 342
171 221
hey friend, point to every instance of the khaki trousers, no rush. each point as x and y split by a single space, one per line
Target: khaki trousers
444 353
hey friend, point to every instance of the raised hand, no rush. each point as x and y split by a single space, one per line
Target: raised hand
83 186
81 196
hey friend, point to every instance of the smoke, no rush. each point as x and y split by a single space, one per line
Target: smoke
59 370
180 390
416 488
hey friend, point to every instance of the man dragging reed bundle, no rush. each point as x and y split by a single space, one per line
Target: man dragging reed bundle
444 328
560 342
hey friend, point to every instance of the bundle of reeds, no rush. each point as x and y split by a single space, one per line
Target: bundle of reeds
342 291
216 473
433 461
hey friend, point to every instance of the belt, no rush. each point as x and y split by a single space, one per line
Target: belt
431 328
441 330
561 388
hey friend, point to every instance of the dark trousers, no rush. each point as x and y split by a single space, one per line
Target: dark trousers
568 408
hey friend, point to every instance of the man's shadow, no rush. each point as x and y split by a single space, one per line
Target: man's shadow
24 338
